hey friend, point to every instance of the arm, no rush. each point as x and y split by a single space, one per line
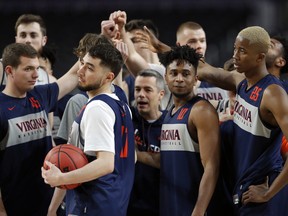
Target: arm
218 76
56 201
135 62
151 41
209 151
68 81
272 95
122 47
103 165
150 159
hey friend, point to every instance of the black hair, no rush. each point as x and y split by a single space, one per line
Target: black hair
109 55
49 52
181 53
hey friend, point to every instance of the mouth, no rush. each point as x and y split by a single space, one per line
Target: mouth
141 104
179 87
32 82
80 80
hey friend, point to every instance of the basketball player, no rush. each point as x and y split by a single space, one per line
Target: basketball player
104 130
259 116
190 140
25 135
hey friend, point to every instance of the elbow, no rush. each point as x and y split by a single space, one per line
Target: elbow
109 168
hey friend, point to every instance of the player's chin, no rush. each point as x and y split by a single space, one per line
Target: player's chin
30 87
142 108
180 94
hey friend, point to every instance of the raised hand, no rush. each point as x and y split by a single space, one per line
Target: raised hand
120 19
109 29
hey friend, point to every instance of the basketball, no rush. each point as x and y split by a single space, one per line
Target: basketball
67 158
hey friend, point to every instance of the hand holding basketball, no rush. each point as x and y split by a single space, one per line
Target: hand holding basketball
60 159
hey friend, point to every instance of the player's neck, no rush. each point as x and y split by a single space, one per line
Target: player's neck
12 92
104 89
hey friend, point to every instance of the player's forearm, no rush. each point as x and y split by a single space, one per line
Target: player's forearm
56 201
148 159
103 165
206 189
278 183
135 63
68 81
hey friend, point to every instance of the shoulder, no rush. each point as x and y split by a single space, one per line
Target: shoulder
203 110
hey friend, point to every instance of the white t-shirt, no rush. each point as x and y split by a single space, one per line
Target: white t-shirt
97 128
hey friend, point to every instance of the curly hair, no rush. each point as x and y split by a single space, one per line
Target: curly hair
180 53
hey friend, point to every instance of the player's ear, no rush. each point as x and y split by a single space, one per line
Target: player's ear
110 76
44 40
8 70
261 57
280 62
161 94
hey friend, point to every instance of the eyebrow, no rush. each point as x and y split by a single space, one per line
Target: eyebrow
90 64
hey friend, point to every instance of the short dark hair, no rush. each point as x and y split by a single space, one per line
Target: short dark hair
109 55
153 73
140 23
12 53
29 18
49 52
180 53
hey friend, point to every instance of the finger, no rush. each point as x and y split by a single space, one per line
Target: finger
245 197
113 16
48 163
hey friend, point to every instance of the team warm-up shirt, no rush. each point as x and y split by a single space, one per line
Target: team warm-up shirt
211 92
256 149
145 193
105 125
25 139
181 168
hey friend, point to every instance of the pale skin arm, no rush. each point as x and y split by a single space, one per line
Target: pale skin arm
68 81
209 151
277 115
103 165
56 201
122 47
135 63
148 158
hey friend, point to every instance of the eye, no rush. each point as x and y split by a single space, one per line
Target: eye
23 35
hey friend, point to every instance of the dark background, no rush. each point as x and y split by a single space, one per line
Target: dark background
68 20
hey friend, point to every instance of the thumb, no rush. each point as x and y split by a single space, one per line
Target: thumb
48 164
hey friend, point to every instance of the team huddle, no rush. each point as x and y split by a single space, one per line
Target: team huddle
164 132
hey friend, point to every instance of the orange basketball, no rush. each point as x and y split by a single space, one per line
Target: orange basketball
66 157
